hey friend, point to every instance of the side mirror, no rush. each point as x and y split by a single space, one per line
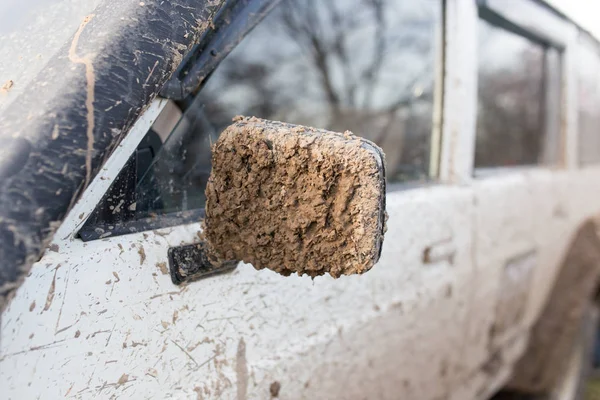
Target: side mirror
295 199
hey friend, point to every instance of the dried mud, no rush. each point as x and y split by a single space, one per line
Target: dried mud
295 199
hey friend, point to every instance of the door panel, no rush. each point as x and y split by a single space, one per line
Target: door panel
506 256
102 318
555 220
518 139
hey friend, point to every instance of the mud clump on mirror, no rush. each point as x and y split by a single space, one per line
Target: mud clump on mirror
295 199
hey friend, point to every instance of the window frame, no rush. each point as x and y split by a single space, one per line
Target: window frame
585 43
220 39
552 35
226 41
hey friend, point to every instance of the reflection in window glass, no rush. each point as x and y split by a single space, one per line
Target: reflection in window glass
322 64
516 107
316 63
589 106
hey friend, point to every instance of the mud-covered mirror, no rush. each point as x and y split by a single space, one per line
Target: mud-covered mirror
295 199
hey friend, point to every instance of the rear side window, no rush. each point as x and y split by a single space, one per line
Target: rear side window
317 63
518 114
589 105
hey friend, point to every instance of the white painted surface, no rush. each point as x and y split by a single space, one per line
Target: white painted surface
99 320
460 92
299 332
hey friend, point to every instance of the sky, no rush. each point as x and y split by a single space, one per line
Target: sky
585 12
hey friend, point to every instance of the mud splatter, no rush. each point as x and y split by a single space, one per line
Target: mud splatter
50 296
55 135
89 101
274 389
123 379
7 86
142 254
163 268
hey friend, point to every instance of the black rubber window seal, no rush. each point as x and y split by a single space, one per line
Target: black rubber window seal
232 23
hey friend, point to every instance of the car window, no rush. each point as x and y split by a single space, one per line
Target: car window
518 112
589 105
315 63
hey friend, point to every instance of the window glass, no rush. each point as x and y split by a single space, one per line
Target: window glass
518 110
322 64
316 63
589 105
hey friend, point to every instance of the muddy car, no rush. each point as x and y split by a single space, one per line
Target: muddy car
163 236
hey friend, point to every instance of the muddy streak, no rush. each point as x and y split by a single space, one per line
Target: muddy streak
295 199
162 266
50 296
89 100
241 369
142 254
274 389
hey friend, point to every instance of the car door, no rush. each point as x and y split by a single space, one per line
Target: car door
107 312
519 187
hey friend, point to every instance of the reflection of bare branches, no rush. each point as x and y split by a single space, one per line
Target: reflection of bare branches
510 118
369 75
303 25
324 32
360 65
394 108
339 49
